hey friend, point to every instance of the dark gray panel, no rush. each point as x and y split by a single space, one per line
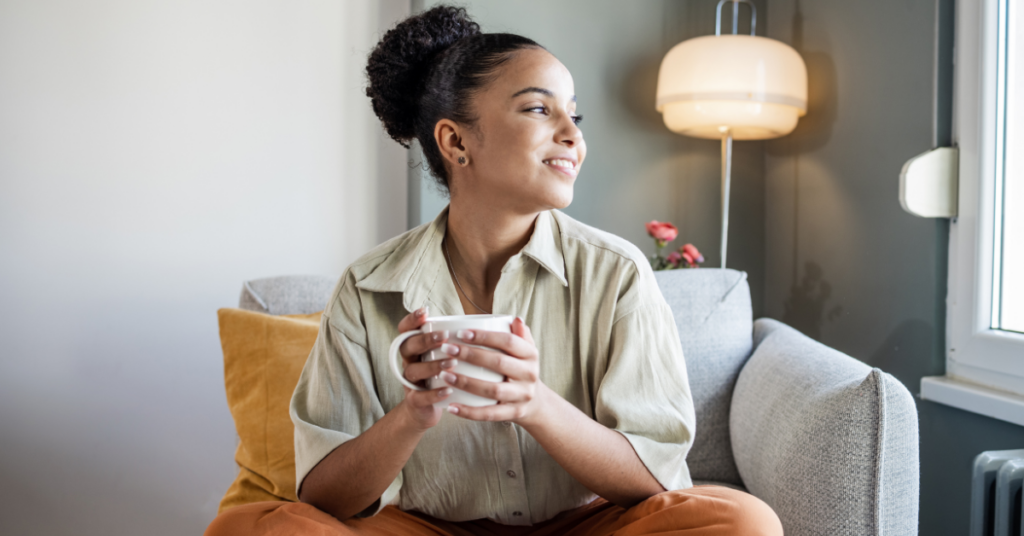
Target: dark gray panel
637 170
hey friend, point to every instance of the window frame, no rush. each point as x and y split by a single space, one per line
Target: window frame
975 353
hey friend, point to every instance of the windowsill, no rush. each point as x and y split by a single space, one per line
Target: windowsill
974 398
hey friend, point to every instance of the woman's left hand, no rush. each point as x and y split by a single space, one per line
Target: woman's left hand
513 355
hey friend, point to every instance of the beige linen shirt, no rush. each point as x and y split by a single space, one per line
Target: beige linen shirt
607 343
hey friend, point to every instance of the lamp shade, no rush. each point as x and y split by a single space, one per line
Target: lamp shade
753 86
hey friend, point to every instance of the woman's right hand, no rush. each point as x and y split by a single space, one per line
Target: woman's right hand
420 404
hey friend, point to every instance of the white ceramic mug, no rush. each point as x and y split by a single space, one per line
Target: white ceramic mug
453 324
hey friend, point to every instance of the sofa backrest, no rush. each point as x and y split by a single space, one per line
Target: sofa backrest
287 294
713 315
715 323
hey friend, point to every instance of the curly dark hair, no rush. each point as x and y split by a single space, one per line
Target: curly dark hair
427 68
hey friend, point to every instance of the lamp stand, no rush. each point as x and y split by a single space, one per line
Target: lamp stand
726 178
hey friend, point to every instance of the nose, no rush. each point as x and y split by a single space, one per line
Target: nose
569 135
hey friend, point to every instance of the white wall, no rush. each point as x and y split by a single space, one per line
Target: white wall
153 155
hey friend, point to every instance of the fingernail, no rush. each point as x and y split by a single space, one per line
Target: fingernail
448 377
520 319
452 409
444 392
438 336
449 363
465 334
450 349
420 312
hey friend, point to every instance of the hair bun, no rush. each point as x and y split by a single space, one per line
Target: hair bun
398 67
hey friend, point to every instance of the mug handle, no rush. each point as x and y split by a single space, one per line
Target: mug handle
393 353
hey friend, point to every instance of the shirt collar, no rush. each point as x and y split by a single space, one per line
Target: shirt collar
545 246
416 265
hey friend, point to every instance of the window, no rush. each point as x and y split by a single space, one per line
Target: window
1008 299
985 302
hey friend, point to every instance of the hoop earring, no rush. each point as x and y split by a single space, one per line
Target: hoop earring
462 160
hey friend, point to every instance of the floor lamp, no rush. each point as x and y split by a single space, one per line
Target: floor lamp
732 87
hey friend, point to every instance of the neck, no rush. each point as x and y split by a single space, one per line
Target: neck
481 240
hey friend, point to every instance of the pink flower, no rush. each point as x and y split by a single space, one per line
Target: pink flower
674 258
662 231
692 256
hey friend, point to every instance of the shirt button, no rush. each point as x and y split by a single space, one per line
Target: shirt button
511 473
517 513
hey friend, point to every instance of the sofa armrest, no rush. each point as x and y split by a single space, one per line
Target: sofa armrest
828 442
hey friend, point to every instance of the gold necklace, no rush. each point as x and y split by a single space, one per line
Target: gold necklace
448 256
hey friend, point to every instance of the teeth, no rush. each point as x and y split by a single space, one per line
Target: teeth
561 163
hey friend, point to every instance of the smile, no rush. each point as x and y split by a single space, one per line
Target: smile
565 166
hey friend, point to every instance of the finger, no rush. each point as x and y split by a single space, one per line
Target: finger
520 328
415 372
420 344
413 320
423 399
505 392
500 412
504 364
508 343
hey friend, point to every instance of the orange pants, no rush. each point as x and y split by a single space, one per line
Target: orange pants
701 510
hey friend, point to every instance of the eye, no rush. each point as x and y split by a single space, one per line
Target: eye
576 118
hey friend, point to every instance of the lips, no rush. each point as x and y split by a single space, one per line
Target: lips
562 164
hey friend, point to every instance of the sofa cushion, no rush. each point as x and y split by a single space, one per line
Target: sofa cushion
713 314
828 442
263 358
287 295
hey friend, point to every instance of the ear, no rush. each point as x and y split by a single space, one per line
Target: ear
448 135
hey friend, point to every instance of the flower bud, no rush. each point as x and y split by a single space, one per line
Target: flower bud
662 231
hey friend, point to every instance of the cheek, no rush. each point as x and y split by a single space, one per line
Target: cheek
513 149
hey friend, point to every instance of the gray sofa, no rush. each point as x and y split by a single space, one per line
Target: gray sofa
829 442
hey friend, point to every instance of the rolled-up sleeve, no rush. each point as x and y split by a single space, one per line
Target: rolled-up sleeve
645 394
335 399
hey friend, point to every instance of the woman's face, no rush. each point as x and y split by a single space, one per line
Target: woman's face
525 149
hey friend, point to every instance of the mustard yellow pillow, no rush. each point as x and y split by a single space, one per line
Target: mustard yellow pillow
263 357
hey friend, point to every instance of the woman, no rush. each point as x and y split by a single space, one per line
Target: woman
594 421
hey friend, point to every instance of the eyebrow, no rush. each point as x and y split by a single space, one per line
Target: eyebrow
540 90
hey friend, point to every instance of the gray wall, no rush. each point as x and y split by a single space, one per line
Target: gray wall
817 221
636 169
843 262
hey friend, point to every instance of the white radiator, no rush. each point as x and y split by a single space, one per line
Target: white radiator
996 498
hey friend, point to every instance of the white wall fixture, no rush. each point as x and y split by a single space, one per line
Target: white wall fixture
729 87
928 183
